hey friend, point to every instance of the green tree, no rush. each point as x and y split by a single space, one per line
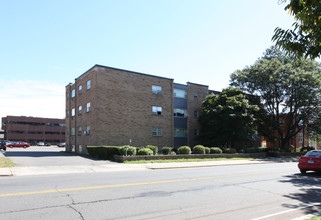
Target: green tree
227 119
305 38
289 90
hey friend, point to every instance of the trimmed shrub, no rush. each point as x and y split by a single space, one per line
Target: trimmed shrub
229 150
103 152
127 150
145 151
166 150
215 150
253 150
207 150
199 149
184 150
153 148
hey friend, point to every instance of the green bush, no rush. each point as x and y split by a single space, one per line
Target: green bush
127 150
215 150
229 150
306 149
103 152
253 150
145 151
153 148
207 150
166 150
199 149
184 150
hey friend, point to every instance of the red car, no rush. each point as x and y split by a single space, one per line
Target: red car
18 144
310 161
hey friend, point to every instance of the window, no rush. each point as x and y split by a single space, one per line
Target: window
73 131
88 107
157 110
195 95
79 131
87 130
157 89
196 114
157 132
72 112
196 132
79 110
180 112
73 93
180 132
180 93
88 84
80 89
300 137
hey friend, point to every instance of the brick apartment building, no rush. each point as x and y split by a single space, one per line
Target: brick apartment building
33 129
109 106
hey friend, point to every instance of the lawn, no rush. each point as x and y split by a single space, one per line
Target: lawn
6 162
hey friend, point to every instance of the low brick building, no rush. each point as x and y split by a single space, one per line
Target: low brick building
109 106
34 129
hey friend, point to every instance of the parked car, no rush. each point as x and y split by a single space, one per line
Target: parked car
48 144
40 143
310 161
62 144
18 144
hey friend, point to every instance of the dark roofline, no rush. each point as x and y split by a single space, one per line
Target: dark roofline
197 84
143 74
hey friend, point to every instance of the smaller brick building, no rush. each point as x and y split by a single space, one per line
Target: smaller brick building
34 130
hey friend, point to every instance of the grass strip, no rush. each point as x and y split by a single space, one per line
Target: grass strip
185 160
6 162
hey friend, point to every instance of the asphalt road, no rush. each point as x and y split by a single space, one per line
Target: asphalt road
266 191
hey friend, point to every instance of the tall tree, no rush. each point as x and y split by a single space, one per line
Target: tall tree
305 38
289 90
227 119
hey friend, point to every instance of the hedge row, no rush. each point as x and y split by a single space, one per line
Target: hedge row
108 152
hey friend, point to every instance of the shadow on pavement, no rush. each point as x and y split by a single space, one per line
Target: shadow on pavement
310 192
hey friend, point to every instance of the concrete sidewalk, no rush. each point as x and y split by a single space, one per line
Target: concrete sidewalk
117 167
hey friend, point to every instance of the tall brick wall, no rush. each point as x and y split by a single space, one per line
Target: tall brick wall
194 105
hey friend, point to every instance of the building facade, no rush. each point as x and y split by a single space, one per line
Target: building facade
33 129
109 106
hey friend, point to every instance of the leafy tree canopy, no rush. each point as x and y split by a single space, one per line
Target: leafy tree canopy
289 90
227 119
305 37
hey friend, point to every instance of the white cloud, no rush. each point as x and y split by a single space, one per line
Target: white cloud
32 98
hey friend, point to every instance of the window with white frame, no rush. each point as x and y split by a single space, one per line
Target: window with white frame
72 112
195 95
79 110
87 130
88 107
157 132
180 132
80 89
88 84
157 110
156 89
180 112
180 93
73 93
79 131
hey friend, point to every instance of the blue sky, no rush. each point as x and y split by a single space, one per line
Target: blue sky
47 44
